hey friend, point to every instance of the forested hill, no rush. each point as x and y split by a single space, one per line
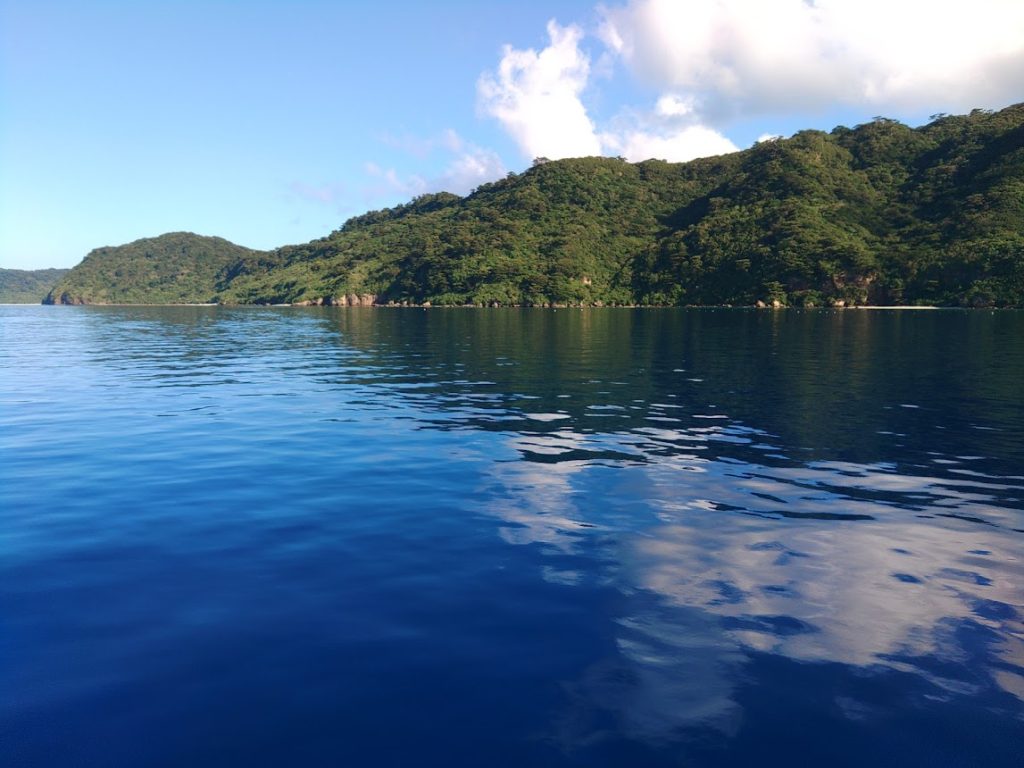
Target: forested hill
27 286
880 213
176 268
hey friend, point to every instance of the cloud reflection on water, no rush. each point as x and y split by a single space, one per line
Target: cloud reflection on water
709 573
803 538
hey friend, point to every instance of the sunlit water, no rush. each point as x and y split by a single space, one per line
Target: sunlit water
500 537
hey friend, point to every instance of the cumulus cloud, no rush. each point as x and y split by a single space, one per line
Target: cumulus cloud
536 96
713 61
672 130
748 57
676 146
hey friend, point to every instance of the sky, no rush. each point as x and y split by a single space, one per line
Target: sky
271 123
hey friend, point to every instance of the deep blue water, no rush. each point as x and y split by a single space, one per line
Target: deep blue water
499 537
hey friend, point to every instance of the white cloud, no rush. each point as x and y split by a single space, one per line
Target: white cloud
536 97
748 57
670 131
676 146
716 60
672 106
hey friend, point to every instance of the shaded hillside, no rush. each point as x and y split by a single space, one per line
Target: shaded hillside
176 268
27 286
880 213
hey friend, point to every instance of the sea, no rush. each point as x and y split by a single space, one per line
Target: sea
511 537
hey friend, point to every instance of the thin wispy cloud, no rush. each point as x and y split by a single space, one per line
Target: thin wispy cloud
422 147
328 194
467 166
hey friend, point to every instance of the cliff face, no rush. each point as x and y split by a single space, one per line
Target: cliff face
880 213
63 298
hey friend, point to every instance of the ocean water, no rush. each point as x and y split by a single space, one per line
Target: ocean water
398 537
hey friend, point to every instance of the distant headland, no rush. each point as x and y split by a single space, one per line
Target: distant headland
27 286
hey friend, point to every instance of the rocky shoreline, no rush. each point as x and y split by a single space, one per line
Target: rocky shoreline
373 301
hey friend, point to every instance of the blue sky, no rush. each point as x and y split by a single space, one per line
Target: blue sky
270 123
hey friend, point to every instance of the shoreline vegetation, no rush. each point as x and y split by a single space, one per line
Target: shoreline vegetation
307 305
879 215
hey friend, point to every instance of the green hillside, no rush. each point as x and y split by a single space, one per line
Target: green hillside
880 213
27 286
176 268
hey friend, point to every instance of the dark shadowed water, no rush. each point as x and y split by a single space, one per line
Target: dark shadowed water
511 538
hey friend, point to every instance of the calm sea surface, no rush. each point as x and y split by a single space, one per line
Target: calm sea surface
397 537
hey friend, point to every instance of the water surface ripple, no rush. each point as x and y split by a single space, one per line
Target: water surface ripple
502 537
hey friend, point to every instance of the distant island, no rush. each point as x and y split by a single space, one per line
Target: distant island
27 286
876 214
